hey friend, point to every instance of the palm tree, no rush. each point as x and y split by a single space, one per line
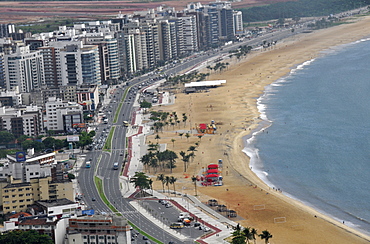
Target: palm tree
181 134
238 237
141 181
145 159
157 137
187 135
171 156
185 159
266 236
172 181
194 179
254 233
192 154
151 185
173 142
247 233
161 178
184 118
167 182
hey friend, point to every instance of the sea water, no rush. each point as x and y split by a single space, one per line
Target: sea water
314 145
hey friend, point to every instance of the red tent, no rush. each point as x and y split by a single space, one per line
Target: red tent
213 166
202 126
212 171
212 176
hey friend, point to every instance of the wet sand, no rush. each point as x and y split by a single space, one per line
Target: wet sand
233 107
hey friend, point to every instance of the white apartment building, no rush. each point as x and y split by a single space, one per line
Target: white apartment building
108 54
25 69
238 22
80 64
190 36
21 121
57 110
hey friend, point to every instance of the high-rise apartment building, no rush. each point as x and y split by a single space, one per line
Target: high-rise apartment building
80 64
25 70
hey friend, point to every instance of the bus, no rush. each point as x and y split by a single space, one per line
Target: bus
177 225
125 123
88 164
115 166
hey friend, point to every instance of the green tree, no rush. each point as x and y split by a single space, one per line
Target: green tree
22 138
254 233
173 142
145 105
162 178
187 135
238 237
145 159
265 235
192 149
85 139
38 146
247 233
25 237
172 182
6 137
194 180
141 181
185 158
167 182
71 176
171 157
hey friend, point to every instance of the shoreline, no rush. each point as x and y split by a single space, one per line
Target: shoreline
257 166
240 116
266 123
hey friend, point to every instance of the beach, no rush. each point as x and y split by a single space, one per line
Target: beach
233 107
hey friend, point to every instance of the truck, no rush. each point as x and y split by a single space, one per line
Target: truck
88 164
115 166
125 123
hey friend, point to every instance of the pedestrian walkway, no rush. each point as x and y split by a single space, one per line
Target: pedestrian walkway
221 226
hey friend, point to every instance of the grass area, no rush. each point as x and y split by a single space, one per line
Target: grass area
99 187
120 105
108 144
45 26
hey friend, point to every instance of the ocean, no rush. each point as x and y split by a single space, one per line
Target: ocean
315 143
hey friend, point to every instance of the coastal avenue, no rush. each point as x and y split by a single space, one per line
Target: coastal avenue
102 162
